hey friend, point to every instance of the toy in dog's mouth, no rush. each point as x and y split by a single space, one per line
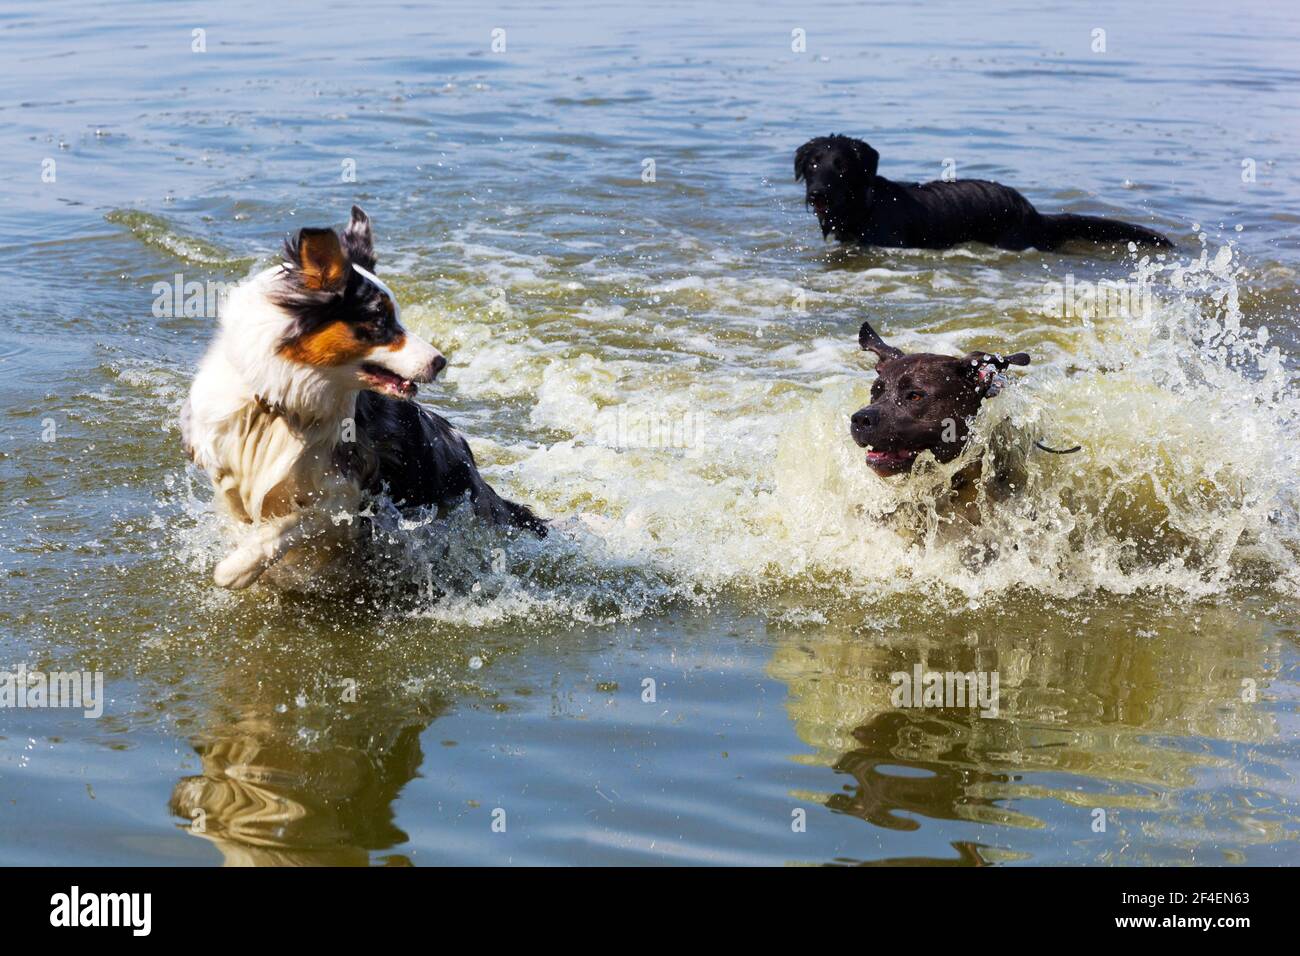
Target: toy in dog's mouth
891 462
381 380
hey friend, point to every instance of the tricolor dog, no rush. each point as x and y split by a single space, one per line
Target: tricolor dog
303 406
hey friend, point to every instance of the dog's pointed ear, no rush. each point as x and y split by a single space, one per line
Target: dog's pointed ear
868 158
871 342
320 259
801 156
986 369
358 240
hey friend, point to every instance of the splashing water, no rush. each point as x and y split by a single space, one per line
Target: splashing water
665 369
712 470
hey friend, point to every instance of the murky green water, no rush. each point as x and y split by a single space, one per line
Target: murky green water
696 668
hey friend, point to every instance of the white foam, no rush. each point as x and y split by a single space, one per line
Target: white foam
1186 481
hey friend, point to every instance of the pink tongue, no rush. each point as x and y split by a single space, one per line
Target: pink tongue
395 382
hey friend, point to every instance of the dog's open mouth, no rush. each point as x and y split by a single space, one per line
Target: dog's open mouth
889 462
382 380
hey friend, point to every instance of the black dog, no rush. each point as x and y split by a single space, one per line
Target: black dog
922 402
856 205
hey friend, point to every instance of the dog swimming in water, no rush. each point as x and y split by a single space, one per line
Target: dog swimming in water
304 405
856 205
922 402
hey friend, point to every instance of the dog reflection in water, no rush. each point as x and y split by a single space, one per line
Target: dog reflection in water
1082 717
269 797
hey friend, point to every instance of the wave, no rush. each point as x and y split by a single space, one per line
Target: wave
688 463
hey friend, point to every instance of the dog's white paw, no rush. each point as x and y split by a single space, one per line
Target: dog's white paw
237 570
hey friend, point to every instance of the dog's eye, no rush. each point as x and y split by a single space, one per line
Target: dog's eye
915 396
876 389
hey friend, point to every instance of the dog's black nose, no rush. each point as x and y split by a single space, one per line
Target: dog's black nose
439 364
865 417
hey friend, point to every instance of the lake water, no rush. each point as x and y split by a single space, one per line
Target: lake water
696 666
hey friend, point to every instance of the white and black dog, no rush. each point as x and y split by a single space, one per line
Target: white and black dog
302 407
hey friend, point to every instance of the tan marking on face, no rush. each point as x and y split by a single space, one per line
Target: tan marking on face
329 346
398 343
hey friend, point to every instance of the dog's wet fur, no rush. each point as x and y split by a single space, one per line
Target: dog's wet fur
303 407
854 204
922 402
418 459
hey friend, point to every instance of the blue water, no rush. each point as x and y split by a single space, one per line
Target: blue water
752 573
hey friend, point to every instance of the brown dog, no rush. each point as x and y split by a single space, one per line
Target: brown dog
922 402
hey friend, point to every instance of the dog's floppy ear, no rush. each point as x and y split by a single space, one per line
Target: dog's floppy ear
868 158
358 239
986 369
871 342
320 259
801 156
